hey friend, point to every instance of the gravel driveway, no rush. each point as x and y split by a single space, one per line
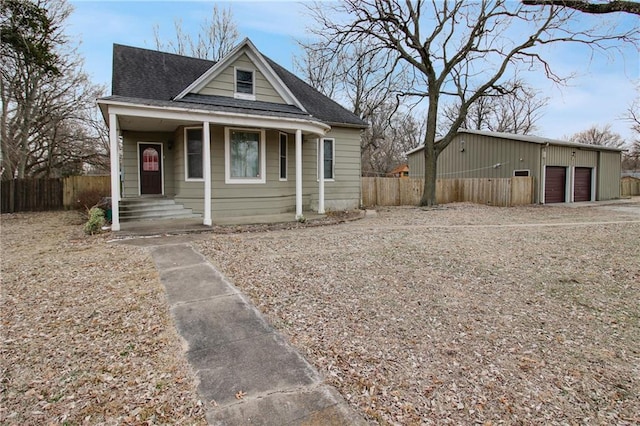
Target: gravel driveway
463 314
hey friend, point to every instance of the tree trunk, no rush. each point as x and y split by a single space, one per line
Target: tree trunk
430 168
430 150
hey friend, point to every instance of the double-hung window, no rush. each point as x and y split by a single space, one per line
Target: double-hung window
283 156
193 154
245 156
245 87
329 158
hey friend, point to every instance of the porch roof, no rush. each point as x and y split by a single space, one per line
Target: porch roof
215 109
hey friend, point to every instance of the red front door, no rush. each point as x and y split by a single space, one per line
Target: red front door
150 169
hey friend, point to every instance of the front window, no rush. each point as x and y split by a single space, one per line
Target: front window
245 156
193 154
329 158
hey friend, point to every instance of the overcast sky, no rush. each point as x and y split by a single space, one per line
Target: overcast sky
599 94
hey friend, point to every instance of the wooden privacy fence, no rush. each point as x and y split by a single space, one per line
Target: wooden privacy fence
21 195
629 186
75 185
501 192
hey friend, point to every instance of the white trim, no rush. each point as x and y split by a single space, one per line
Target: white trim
227 157
594 183
286 157
298 174
240 95
572 184
568 183
522 170
115 171
161 164
206 172
186 155
246 46
216 117
321 175
333 160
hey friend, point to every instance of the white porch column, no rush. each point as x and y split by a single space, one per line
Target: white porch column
321 177
206 152
298 174
115 171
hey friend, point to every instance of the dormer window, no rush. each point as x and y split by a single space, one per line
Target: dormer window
244 84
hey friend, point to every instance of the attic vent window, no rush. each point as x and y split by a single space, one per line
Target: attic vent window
244 84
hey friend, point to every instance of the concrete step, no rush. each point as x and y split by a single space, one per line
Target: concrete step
135 209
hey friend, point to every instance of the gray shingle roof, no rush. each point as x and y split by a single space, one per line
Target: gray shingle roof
152 75
149 74
315 102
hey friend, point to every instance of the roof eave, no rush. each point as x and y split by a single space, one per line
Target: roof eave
309 124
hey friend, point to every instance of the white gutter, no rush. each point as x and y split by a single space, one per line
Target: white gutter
214 117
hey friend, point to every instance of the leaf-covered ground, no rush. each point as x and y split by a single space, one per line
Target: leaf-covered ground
462 314
86 334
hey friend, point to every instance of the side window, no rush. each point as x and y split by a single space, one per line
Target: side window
193 154
329 158
283 156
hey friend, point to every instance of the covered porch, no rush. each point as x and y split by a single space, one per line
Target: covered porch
131 124
195 225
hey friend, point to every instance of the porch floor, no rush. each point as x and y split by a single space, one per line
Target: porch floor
178 226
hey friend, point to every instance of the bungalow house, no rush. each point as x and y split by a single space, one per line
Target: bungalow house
562 171
241 136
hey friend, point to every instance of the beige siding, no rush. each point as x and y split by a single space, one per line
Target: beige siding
130 161
480 155
487 157
568 156
343 192
224 83
274 196
483 157
482 152
608 176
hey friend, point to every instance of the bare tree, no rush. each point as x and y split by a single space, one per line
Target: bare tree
515 111
366 82
601 136
598 7
459 49
390 135
46 97
631 158
217 36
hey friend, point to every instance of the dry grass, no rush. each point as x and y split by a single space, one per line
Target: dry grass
86 333
459 315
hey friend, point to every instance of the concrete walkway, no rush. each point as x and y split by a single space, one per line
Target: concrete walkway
248 373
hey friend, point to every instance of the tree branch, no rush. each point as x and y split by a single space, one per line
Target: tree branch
588 7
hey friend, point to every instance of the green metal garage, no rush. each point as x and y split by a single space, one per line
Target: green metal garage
563 172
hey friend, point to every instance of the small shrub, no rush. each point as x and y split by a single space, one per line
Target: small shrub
88 198
96 221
